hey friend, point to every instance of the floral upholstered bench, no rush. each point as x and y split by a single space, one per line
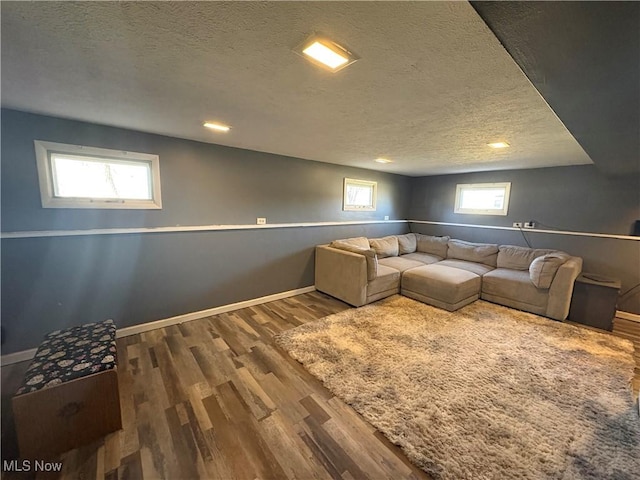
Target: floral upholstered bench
69 396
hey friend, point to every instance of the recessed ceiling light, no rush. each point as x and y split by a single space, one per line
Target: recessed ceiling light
217 126
498 145
383 160
326 53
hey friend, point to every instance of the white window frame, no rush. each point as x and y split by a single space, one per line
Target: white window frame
346 206
45 175
479 186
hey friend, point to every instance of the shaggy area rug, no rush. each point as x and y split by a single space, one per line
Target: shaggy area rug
486 392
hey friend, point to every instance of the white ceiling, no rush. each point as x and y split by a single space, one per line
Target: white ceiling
432 88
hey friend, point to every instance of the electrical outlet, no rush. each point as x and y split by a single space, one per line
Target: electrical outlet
386 217
261 221
529 224
517 224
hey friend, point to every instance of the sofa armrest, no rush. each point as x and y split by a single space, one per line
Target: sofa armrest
341 274
562 288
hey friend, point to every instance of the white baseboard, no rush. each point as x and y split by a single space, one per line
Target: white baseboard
18 357
634 317
145 327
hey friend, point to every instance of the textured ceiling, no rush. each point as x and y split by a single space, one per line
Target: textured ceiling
432 88
584 58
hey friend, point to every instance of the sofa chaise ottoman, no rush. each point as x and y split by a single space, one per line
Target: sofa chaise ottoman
441 286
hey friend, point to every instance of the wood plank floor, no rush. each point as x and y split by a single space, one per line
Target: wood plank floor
214 398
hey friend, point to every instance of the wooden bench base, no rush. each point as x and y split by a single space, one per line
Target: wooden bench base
59 418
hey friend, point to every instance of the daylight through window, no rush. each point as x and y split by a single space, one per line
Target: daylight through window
73 176
359 194
482 198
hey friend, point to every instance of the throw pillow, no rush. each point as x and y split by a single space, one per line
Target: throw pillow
486 253
407 243
543 269
369 255
385 246
361 242
432 245
518 258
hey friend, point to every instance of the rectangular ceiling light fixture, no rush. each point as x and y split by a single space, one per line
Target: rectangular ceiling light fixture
325 53
219 127
498 145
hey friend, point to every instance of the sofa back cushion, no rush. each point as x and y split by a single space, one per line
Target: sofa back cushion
361 242
543 269
385 246
486 253
432 245
518 258
369 254
407 243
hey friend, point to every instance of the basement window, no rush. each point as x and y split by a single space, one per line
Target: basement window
76 176
359 195
482 198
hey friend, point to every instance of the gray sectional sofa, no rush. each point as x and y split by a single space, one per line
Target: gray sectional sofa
447 273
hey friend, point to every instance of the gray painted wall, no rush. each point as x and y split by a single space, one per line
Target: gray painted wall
566 198
202 184
50 283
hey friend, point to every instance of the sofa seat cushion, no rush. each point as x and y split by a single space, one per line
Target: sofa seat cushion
425 258
477 268
516 286
442 286
400 263
388 279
